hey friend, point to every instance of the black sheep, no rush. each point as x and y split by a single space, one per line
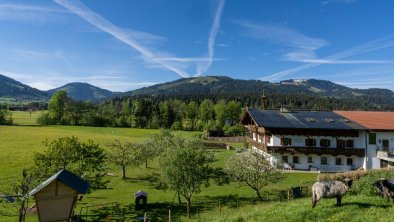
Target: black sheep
386 188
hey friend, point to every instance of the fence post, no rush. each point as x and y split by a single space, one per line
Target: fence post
145 219
220 208
169 215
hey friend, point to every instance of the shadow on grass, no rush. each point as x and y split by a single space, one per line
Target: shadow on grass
220 177
366 205
152 179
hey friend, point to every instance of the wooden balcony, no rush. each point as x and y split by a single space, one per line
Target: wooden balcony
309 150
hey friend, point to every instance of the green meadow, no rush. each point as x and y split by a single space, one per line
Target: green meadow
26 118
221 201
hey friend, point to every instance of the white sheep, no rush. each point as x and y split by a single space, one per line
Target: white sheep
332 189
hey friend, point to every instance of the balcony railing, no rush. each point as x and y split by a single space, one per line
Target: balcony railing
309 150
385 155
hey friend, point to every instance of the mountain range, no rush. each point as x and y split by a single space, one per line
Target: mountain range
11 89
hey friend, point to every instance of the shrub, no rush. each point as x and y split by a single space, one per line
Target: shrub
363 180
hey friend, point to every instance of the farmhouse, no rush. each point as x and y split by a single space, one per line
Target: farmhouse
321 140
380 141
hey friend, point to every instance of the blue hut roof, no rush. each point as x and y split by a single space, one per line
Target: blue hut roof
66 177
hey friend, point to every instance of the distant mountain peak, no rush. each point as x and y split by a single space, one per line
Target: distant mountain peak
82 91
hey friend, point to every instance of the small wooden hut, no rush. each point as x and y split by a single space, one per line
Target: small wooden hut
56 197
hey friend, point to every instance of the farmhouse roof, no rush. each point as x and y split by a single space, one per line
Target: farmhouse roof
66 177
371 120
326 120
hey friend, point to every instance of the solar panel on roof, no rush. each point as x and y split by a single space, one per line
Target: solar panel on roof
302 120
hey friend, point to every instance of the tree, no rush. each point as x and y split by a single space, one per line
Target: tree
83 159
206 111
220 113
5 117
192 114
185 167
146 151
252 169
57 105
233 112
123 155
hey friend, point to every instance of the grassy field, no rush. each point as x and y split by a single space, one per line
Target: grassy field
20 142
354 208
25 118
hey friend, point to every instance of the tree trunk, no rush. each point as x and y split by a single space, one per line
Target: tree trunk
123 172
146 163
179 199
258 195
188 205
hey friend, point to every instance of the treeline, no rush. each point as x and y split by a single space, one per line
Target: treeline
146 113
184 112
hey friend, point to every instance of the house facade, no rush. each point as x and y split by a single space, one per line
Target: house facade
315 140
380 140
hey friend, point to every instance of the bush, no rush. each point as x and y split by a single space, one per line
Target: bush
45 119
5 117
363 180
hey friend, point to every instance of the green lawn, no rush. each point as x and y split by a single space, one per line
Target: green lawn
358 208
18 143
26 118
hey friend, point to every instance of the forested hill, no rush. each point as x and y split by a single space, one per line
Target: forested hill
227 85
17 91
83 92
298 94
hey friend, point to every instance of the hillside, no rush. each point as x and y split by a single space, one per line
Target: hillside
12 90
83 92
227 85
247 91
354 208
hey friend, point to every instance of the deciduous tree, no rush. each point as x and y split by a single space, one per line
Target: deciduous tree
185 167
86 160
252 169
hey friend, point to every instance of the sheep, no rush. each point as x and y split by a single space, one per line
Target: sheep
330 189
386 188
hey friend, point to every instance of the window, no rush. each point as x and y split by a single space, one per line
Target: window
341 143
372 138
345 143
285 141
295 159
285 159
310 142
349 161
310 160
338 161
325 143
349 143
385 143
267 139
323 160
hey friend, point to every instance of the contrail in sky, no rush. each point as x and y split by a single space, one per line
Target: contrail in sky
381 43
95 19
212 39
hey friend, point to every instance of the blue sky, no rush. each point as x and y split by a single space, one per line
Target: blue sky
127 44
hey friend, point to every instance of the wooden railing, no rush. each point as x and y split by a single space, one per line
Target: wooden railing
385 155
309 150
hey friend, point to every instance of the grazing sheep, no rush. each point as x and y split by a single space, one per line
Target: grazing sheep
330 189
386 188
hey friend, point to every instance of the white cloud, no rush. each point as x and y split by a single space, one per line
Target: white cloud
98 21
203 67
381 43
301 46
325 2
29 13
280 34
